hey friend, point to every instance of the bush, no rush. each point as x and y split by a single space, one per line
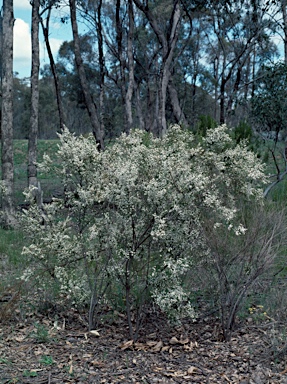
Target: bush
243 131
204 123
137 218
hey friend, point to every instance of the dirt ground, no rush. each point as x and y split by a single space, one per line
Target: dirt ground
59 349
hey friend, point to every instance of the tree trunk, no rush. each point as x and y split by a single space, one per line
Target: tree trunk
45 29
91 107
168 51
284 14
34 118
168 44
119 36
222 101
101 63
139 107
176 108
129 93
7 116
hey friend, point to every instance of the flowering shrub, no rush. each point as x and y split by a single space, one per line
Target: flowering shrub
132 219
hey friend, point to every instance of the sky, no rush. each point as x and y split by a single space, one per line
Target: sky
59 32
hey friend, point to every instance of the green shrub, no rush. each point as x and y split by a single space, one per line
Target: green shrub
133 222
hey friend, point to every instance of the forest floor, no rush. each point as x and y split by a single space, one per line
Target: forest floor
43 350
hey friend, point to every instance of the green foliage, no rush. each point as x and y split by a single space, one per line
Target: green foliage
204 123
4 361
41 334
47 360
28 373
242 131
11 244
269 106
50 183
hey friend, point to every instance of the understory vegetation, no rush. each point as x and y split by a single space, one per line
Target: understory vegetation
177 226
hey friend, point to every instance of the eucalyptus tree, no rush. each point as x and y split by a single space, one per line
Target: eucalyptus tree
45 16
165 19
34 117
269 104
224 41
91 13
269 112
283 4
90 104
234 31
7 115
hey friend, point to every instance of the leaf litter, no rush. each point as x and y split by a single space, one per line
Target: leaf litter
191 353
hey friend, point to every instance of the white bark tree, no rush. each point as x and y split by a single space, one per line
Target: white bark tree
7 115
34 118
90 104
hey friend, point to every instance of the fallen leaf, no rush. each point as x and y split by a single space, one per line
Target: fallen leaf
94 332
157 347
184 341
151 343
140 347
165 348
191 370
152 335
19 338
173 341
87 356
98 363
126 345
226 378
56 326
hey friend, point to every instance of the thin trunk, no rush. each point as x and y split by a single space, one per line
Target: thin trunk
284 14
168 56
230 103
139 107
162 101
222 101
91 107
45 29
176 108
34 118
216 74
253 72
1 42
7 115
193 97
102 65
168 44
131 81
237 82
247 79
122 82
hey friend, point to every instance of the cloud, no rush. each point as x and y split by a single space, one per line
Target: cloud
22 41
22 48
55 45
23 4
